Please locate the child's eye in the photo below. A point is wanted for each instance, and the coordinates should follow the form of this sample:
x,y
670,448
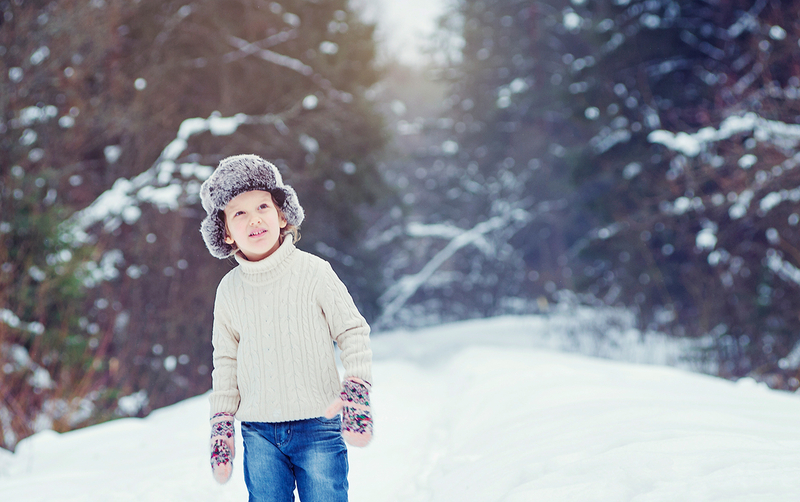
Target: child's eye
x,y
237,213
263,206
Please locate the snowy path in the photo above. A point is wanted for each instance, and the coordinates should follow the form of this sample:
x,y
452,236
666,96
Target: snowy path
x,y
529,425
471,421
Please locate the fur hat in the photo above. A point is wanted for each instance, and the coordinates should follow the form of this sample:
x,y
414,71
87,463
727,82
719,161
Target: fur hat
x,y
236,175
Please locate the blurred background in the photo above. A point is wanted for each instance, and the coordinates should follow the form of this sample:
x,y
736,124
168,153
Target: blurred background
x,y
456,159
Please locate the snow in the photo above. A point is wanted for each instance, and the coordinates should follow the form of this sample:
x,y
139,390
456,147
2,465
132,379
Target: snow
x,y
784,269
474,411
157,185
398,294
774,131
706,239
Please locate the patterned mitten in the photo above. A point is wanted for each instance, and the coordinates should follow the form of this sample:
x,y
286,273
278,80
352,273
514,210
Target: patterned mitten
x,y
353,402
222,437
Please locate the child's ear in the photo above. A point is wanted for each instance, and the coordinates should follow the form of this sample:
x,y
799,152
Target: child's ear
x,y
228,239
283,222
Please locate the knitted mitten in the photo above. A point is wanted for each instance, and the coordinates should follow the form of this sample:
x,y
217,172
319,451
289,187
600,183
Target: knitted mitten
x,y
222,437
353,402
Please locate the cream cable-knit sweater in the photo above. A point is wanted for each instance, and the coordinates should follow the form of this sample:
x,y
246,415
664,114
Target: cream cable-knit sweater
x,y
275,322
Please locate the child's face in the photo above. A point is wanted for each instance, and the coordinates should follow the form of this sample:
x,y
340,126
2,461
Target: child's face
x,y
254,224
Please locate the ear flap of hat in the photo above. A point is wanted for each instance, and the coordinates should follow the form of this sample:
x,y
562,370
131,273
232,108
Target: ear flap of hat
x,y
286,198
279,196
213,230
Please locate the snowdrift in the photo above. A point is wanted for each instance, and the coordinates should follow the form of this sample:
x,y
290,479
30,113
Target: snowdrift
x,y
474,411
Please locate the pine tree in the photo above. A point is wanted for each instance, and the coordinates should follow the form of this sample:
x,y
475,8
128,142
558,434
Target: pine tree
x,y
102,103
507,161
49,347
297,74
592,103
671,240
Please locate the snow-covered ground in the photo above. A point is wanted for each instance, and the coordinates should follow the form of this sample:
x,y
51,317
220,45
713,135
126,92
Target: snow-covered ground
x,y
477,411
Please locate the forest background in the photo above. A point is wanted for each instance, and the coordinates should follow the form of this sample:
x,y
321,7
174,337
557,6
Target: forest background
x,y
633,155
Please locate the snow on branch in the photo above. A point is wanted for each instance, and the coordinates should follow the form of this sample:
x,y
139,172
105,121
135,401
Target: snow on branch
x,y
748,21
780,134
398,294
691,145
247,48
10,319
748,79
782,268
172,22
446,231
159,185
373,243
39,378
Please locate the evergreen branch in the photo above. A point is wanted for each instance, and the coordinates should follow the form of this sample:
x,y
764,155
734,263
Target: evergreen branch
x,y
246,48
692,144
155,185
398,294
10,319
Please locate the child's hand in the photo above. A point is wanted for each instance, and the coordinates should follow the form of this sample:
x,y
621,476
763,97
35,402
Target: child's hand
x,y
353,402
222,434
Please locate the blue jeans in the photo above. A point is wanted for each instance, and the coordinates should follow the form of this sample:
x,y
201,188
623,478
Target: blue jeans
x,y
308,452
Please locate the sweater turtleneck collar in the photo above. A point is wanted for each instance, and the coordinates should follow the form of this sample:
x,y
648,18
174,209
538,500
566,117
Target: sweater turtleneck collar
x,y
270,267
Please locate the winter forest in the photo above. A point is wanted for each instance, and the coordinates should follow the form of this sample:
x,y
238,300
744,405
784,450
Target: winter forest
x,y
636,157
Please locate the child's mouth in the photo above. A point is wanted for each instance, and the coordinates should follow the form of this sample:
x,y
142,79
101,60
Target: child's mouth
x,y
258,233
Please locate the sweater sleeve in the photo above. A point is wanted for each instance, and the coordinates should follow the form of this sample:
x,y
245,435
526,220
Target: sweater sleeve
x,y
347,326
225,339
